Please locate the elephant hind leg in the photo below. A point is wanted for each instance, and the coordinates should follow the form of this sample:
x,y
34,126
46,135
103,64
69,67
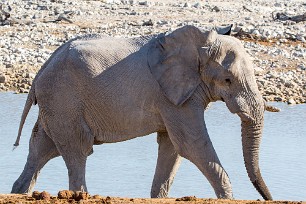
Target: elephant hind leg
x,y
168,162
41,150
74,141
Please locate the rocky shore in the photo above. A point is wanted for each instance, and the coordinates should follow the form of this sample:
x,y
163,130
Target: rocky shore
x,y
273,32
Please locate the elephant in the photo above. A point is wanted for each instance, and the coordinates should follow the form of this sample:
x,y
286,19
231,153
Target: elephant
x,y
100,89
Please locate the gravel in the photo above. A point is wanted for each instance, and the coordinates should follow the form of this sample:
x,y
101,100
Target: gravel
x,y
277,46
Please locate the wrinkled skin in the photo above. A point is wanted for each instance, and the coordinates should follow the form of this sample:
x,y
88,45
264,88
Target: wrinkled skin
x,y
104,90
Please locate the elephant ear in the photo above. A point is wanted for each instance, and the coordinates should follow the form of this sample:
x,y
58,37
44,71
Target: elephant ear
x,y
172,67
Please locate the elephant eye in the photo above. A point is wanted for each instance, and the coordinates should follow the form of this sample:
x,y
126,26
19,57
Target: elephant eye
x,y
228,81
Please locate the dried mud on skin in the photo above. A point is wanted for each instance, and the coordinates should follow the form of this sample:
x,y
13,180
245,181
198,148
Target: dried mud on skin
x,y
82,197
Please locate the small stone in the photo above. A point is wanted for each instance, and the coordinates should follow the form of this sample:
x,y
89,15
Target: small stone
x,y
302,67
216,9
24,85
30,75
65,194
3,79
80,195
96,197
148,23
291,101
197,5
187,5
44,195
144,3
256,32
8,65
300,38
277,98
278,5
290,84
36,195
187,198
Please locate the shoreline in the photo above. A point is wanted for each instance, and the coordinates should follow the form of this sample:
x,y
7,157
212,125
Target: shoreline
x,y
277,47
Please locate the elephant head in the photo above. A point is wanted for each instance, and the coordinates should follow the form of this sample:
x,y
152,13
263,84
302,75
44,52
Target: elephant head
x,y
188,58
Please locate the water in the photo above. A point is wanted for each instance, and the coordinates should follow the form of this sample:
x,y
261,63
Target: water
x,y
126,169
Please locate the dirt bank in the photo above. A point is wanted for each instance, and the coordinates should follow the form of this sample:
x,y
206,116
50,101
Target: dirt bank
x,y
14,198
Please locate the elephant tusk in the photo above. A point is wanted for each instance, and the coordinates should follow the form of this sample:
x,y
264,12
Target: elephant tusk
x,y
272,108
245,117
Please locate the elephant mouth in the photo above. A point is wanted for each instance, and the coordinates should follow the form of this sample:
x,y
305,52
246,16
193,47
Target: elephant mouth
x,y
245,117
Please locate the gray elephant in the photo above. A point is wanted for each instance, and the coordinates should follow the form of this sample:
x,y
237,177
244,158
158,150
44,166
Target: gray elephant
x,y
96,90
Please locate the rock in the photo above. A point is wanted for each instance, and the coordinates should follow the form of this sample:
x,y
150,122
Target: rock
x,y
291,101
45,195
300,38
197,5
256,32
80,195
290,84
36,195
216,9
148,23
144,3
96,197
302,66
187,198
3,78
278,5
30,75
187,5
65,194
277,98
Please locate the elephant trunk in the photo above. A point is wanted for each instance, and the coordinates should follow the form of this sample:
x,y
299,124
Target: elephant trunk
x,y
251,128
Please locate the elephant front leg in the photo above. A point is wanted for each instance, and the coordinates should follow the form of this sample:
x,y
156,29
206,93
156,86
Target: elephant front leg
x,y
41,150
168,162
188,134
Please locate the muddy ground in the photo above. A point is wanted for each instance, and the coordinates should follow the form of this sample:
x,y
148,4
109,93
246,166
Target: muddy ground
x,y
46,198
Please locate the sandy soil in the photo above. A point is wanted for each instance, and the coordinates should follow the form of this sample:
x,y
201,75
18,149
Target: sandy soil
x,y
46,198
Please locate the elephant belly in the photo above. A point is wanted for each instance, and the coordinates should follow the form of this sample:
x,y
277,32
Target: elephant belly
x,y
118,124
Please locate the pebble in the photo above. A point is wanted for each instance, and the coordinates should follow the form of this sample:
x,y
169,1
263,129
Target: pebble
x,y
3,79
187,5
216,9
291,101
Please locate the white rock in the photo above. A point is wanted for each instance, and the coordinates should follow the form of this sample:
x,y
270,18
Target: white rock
x,y
278,5
197,5
256,32
300,38
291,101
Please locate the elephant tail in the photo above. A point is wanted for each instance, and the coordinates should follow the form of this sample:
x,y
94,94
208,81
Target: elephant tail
x,y
30,100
